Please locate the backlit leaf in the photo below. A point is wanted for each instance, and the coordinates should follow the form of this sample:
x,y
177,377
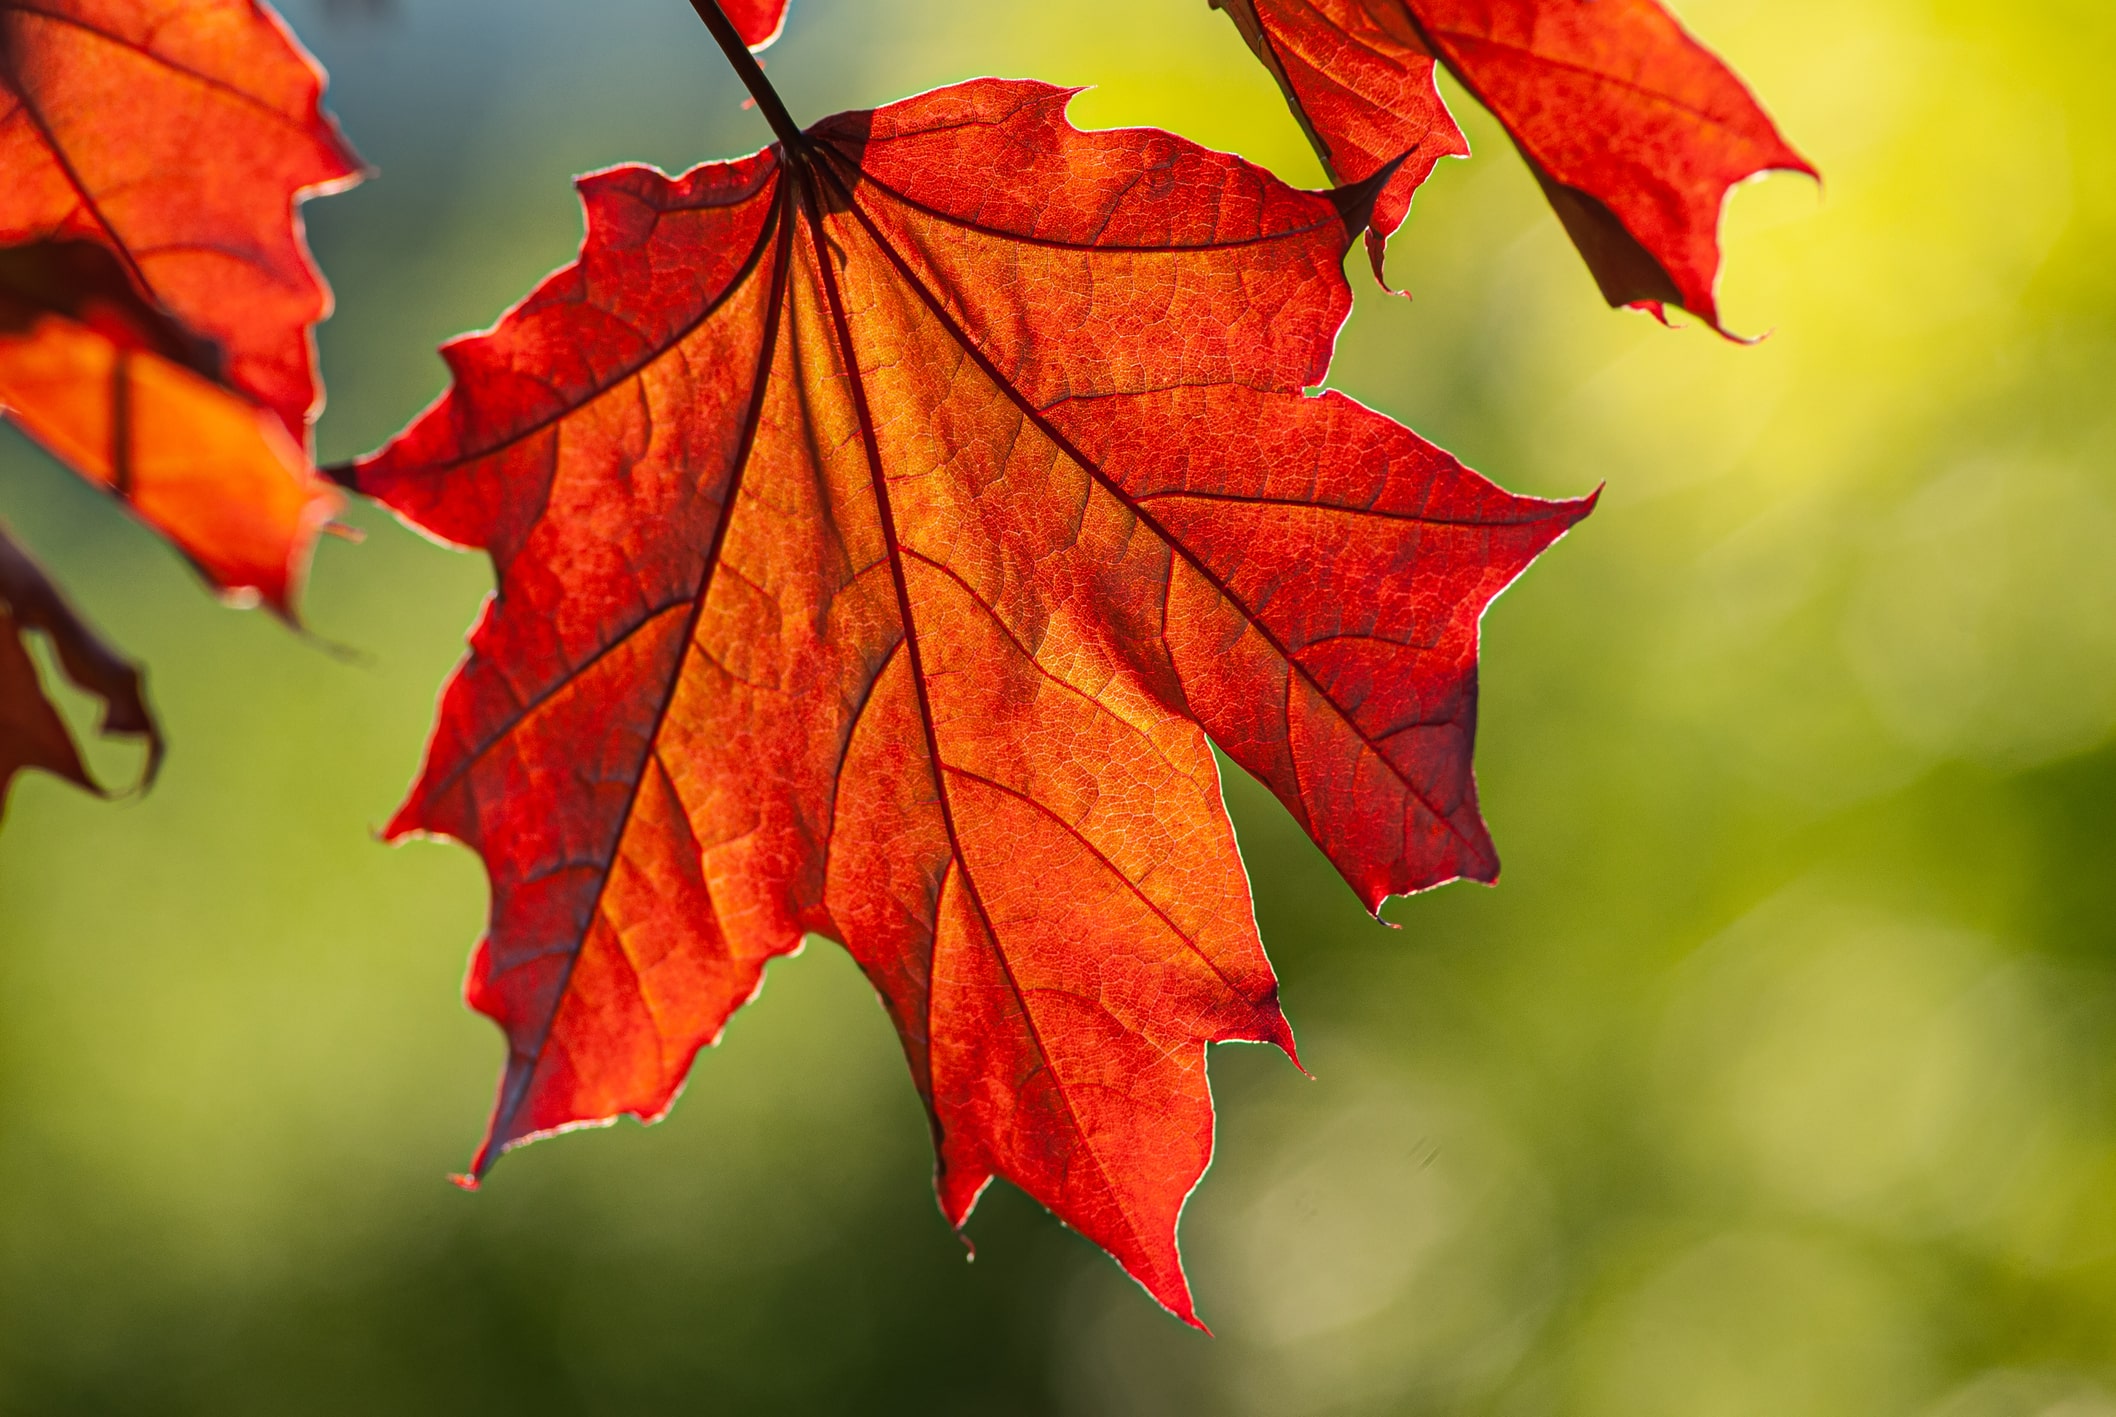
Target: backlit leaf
x,y
181,135
884,530
1634,129
121,394
32,733
757,21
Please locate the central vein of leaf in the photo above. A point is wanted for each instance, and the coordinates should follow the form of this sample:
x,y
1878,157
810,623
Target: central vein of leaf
x,y
519,1081
842,327
1102,478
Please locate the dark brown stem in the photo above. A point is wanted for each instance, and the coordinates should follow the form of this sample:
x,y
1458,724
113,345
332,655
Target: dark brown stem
x,y
752,74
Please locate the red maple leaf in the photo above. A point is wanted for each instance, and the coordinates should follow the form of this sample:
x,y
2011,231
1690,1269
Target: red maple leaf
x,y
32,733
127,398
175,139
757,21
884,526
179,134
1634,129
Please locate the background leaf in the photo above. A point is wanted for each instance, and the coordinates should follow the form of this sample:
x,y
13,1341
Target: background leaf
x,y
181,135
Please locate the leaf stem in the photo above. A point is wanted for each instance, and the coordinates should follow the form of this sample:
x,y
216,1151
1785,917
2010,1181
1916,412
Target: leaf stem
x,y
752,74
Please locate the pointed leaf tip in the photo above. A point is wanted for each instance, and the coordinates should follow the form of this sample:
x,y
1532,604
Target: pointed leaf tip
x,y
1636,130
875,563
190,130
33,734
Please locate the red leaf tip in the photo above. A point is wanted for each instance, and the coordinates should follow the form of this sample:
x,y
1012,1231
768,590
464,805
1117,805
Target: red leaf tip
x,y
933,541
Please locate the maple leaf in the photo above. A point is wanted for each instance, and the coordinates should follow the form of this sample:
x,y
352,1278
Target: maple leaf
x,y
1635,131
758,22
32,733
179,134
127,398
883,524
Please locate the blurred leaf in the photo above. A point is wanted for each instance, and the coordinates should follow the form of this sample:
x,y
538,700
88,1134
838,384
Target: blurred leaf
x,y
123,396
180,136
1635,131
32,733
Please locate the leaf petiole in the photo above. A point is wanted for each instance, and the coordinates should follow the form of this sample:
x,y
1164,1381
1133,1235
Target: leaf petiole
x,y
752,74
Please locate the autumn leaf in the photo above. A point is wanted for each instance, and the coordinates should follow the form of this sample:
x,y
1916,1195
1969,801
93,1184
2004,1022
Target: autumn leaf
x,y
32,732
1635,131
181,135
885,524
757,21
127,398
1361,83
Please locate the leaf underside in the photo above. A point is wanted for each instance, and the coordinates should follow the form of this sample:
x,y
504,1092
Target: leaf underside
x,y
883,532
1635,131
757,21
180,135
175,140
32,732
131,401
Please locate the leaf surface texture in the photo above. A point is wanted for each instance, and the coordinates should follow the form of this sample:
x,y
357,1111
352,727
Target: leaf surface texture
x,y
1634,129
122,394
180,135
884,531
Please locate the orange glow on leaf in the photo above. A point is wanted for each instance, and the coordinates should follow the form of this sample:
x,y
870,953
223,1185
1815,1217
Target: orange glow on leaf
x,y
1635,131
180,135
111,387
884,532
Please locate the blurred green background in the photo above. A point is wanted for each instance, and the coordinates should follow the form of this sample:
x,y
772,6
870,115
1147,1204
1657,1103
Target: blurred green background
x,y
1778,1077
